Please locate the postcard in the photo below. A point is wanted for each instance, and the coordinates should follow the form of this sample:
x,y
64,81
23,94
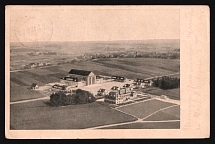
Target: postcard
x,y
107,72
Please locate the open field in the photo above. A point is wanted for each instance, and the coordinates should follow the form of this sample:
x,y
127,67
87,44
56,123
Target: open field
x,y
39,115
130,67
147,125
145,108
171,93
143,67
172,113
18,93
150,114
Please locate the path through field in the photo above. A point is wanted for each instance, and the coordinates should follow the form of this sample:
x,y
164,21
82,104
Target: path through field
x,y
24,101
43,92
139,120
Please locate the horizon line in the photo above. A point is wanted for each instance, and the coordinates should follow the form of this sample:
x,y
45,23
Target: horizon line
x,y
97,40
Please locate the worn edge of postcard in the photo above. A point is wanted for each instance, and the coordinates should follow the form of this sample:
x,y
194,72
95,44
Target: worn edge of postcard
x,y
194,87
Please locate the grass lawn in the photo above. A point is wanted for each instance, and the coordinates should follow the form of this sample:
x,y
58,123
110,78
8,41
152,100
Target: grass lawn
x,y
172,113
22,79
41,71
41,78
13,84
171,93
39,115
143,109
147,125
18,93
175,75
56,69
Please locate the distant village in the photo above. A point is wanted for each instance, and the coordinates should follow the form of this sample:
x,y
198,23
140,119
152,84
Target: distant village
x,y
39,64
90,56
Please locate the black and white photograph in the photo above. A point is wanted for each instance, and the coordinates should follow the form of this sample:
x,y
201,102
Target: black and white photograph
x,y
94,68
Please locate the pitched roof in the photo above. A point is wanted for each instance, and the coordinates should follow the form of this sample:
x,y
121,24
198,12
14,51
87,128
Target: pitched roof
x,y
33,85
79,72
101,90
118,77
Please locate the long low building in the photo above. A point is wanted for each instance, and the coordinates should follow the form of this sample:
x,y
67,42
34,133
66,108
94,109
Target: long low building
x,y
119,78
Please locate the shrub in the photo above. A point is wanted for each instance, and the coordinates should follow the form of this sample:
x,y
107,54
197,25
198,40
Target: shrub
x,y
84,96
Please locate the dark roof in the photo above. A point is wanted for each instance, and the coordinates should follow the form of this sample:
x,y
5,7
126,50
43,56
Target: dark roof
x,y
142,80
98,77
33,85
74,78
101,90
79,72
113,93
118,77
126,85
114,87
146,81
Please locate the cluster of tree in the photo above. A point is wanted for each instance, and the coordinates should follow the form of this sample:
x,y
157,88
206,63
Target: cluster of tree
x,y
127,54
49,53
167,82
159,55
41,53
77,97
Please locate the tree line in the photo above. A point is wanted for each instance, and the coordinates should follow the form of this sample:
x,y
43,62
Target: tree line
x,y
166,82
173,55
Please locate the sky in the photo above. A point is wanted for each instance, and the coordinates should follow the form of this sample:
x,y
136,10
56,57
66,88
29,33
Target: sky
x,y
94,24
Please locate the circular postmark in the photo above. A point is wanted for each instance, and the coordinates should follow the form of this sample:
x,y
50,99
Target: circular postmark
x,y
33,31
